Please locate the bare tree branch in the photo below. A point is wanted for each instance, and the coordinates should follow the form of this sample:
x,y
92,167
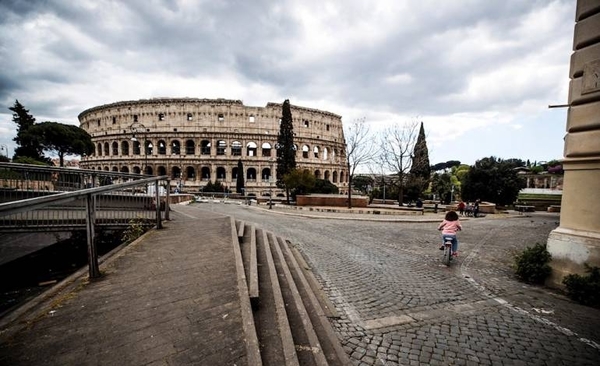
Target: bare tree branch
x,y
397,144
360,149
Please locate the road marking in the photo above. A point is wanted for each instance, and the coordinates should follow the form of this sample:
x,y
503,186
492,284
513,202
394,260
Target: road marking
x,y
464,266
448,311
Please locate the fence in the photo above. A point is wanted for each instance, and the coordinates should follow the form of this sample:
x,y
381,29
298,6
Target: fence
x,y
34,198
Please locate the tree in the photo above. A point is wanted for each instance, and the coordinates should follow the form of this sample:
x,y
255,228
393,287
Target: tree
x,y
300,181
28,145
441,185
324,186
239,181
420,170
397,144
286,151
362,183
62,139
359,149
494,180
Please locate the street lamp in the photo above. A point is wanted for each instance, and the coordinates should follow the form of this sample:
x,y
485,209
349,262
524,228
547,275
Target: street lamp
x,y
270,193
135,128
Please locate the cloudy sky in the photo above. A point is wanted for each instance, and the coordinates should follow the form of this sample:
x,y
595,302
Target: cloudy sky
x,y
480,74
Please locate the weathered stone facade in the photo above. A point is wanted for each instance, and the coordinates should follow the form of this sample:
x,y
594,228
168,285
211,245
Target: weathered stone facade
x,y
201,140
576,242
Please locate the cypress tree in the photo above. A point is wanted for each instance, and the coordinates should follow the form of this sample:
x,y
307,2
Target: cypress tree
x,y
29,145
286,152
420,170
420,160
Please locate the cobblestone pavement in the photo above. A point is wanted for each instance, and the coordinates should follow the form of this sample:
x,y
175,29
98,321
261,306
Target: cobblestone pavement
x,y
399,305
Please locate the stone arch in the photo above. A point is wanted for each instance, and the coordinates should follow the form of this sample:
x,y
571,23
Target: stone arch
x,y
221,174
251,148
137,148
266,174
106,149
115,148
190,147
236,148
266,149
161,170
305,151
190,173
205,147
251,174
125,148
327,175
99,150
205,173
335,176
318,174
175,147
162,147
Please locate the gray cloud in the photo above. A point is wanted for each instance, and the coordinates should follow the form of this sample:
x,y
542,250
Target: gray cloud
x,y
427,58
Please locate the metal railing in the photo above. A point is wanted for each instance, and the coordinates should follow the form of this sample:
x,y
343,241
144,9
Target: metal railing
x,y
79,199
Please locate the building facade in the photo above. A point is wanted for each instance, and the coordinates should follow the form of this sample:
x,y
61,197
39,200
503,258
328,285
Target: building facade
x,y
576,242
196,141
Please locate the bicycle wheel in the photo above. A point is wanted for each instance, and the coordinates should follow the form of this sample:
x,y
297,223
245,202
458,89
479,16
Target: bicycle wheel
x,y
447,255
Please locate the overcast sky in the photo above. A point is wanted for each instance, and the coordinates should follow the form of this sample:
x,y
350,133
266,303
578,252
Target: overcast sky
x,y
479,74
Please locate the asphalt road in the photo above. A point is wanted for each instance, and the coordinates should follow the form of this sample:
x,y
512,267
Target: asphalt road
x,y
400,305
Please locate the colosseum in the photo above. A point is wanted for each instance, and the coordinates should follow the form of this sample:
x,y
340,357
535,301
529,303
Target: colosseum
x,y
196,141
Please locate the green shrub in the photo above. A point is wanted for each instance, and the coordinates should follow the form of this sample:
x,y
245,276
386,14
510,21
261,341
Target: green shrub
x,y
135,229
532,264
584,289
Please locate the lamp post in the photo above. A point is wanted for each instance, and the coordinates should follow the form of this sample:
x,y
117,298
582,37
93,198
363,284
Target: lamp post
x,y
137,128
270,193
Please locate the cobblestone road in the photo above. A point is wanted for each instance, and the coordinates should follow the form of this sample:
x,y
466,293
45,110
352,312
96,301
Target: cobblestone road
x,y
399,305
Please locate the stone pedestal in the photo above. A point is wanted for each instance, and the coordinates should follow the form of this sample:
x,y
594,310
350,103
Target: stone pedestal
x,y
577,240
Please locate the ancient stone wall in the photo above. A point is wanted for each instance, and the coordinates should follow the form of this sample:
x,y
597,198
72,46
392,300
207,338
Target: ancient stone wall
x,y
201,140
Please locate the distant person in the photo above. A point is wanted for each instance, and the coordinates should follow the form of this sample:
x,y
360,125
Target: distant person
x,y
476,207
449,227
419,203
461,208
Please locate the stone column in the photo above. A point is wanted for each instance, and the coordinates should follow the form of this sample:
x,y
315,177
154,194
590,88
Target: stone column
x,y
577,240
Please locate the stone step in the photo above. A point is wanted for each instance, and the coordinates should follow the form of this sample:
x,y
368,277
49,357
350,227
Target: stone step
x,y
330,345
291,314
305,339
248,246
270,316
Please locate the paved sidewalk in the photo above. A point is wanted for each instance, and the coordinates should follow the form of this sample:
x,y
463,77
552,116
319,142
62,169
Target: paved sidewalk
x,y
169,299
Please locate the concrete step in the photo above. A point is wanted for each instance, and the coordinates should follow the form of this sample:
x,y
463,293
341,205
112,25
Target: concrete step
x,y
270,316
291,313
240,226
306,342
329,343
248,247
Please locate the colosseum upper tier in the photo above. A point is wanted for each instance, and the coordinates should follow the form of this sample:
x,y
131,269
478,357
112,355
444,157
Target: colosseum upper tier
x,y
196,141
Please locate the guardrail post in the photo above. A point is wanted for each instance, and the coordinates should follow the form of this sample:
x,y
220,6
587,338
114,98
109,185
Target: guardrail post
x,y
157,195
90,219
168,200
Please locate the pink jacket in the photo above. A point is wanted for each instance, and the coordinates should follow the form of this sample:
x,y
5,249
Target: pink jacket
x,y
450,227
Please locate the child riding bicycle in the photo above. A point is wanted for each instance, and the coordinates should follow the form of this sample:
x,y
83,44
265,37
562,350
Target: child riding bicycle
x,y
449,227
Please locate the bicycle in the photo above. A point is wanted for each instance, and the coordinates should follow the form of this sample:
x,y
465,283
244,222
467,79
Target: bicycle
x,y
447,258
